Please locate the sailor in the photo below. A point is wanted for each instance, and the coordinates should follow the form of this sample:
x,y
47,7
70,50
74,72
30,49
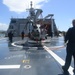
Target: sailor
x,y
22,35
70,49
10,35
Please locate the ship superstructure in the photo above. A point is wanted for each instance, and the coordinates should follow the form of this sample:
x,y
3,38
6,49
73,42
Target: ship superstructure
x,y
17,25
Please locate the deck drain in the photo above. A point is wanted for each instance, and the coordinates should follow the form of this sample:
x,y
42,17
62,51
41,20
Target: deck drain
x,y
27,66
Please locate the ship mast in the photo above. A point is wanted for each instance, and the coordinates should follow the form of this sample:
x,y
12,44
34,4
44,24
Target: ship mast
x,y
31,4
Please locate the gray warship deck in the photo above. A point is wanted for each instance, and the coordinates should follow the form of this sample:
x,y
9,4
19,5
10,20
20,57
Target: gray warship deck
x,y
32,60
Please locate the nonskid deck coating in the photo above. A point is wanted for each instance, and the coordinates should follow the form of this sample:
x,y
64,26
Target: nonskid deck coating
x,y
31,61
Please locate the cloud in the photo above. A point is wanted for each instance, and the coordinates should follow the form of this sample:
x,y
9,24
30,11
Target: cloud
x,y
21,5
3,26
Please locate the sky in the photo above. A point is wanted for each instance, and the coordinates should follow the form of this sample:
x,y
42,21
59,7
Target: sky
x,y
63,10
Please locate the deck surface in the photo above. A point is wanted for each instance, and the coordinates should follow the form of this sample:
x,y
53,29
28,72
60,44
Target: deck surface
x,y
23,57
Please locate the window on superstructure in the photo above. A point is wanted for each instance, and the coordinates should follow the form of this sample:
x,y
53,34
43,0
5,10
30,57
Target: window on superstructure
x,y
13,21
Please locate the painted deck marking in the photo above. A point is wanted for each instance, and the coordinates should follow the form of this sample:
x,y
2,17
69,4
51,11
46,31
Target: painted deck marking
x,y
26,61
58,59
9,66
16,45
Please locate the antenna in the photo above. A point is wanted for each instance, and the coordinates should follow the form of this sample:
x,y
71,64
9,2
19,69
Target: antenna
x,y
31,4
